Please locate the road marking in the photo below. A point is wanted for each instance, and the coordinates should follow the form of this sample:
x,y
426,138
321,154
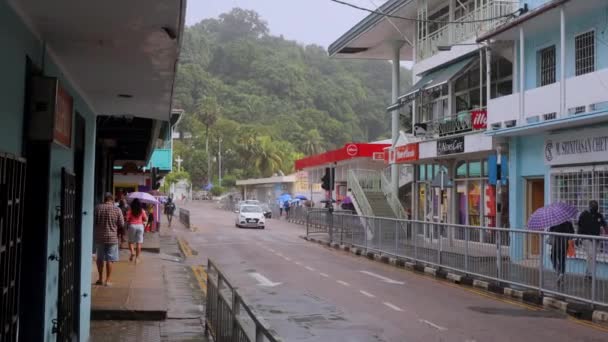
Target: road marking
x,y
263,281
279,254
440,328
342,282
298,263
384,279
324,275
201,277
272,250
288,259
392,306
367,294
309,268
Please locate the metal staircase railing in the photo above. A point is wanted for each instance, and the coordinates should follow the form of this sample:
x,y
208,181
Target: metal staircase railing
x,y
358,190
392,198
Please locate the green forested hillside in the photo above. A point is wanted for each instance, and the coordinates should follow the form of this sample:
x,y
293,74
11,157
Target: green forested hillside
x,y
269,99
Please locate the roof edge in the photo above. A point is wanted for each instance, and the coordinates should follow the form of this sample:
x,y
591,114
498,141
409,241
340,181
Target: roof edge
x,y
522,19
362,26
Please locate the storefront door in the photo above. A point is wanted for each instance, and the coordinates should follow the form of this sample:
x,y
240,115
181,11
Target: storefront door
x,y
535,195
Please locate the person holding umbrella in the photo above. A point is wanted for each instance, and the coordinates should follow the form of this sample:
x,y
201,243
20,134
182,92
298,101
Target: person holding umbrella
x,y
558,218
136,217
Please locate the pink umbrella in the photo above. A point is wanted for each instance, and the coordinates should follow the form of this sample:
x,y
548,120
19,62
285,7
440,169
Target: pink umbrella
x,y
142,197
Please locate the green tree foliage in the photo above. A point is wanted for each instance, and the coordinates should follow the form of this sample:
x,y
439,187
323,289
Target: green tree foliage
x,y
271,100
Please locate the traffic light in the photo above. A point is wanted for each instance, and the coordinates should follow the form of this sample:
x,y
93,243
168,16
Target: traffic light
x,y
155,178
327,181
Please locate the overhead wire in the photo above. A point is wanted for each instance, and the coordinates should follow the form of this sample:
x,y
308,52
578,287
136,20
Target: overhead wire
x,y
361,8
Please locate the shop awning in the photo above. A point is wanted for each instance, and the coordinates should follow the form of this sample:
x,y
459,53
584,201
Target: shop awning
x,y
433,79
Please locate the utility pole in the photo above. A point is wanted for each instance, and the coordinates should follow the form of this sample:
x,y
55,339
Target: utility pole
x,y
219,161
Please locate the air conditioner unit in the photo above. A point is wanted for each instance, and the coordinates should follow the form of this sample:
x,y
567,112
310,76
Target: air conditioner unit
x,y
510,123
496,125
51,112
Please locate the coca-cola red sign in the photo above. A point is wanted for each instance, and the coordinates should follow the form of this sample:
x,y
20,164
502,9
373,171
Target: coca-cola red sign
x,y
480,119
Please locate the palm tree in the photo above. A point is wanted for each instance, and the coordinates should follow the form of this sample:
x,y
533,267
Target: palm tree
x,y
208,111
313,142
268,158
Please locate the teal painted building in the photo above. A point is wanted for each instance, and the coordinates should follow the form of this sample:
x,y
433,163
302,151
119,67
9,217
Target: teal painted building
x,y
58,143
556,119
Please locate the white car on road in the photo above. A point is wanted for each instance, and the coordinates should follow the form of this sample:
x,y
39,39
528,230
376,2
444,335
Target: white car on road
x,y
250,216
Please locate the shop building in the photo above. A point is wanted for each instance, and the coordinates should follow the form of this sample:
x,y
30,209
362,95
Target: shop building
x,y
556,120
269,189
82,87
455,164
131,176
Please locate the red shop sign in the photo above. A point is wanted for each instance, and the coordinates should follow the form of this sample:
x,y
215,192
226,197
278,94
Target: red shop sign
x,y
62,130
479,119
352,150
406,153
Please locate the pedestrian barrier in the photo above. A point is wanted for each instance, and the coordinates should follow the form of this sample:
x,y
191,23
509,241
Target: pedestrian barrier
x,y
569,265
228,318
184,217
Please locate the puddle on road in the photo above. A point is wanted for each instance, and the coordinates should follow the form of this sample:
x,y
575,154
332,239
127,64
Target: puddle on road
x,y
516,312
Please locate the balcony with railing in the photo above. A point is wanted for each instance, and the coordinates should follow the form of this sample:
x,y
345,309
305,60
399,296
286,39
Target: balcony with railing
x,y
585,94
477,21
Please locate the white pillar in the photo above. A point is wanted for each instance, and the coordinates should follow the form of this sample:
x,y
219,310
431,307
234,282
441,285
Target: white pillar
x,y
562,62
522,77
395,114
488,75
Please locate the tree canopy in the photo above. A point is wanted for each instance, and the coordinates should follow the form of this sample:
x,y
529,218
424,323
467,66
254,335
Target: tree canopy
x,y
270,100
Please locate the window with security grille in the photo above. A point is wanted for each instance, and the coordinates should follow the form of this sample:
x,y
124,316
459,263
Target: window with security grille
x,y
546,65
578,186
584,46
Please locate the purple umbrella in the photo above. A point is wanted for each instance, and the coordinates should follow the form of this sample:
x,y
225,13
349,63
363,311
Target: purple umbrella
x,y
142,196
551,215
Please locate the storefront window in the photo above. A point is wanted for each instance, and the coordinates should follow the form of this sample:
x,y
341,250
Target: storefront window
x,y
461,170
579,187
422,172
474,201
475,169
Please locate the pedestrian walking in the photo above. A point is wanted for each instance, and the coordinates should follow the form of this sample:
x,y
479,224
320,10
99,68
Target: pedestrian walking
x,y
286,208
591,222
559,248
107,219
150,223
124,207
169,210
136,218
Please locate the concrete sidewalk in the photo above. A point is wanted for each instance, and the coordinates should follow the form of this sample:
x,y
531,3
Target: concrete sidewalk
x,y
134,313
137,293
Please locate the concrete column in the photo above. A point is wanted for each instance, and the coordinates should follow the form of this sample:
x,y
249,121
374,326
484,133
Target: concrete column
x,y
451,10
395,125
488,75
522,76
562,62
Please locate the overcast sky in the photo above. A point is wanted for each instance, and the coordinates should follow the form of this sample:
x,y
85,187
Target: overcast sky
x,y
306,21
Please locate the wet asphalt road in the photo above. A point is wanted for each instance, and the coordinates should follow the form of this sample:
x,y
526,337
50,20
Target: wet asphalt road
x,y
307,292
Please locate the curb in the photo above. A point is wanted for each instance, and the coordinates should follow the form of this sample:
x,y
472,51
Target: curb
x,y
578,310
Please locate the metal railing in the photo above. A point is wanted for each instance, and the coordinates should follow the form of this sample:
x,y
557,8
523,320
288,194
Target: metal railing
x,y
567,265
459,32
228,318
392,198
184,217
358,190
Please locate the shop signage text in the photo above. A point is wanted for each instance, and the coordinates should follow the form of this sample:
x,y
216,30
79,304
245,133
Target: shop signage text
x,y
450,146
406,153
578,147
62,131
464,122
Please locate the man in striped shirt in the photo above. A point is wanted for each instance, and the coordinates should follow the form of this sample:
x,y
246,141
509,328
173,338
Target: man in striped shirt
x,y
108,220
